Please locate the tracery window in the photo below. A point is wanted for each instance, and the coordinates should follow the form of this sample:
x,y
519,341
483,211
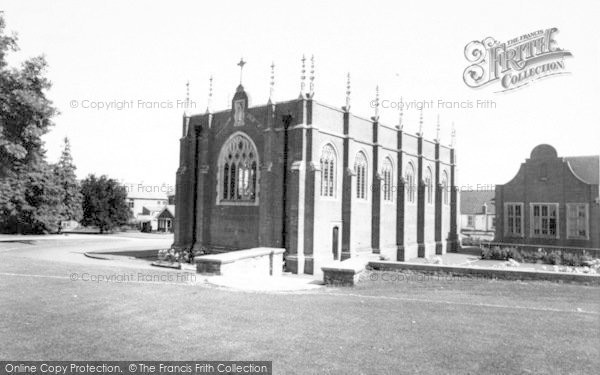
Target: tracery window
x,y
387,175
328,171
360,167
445,190
238,166
428,186
410,183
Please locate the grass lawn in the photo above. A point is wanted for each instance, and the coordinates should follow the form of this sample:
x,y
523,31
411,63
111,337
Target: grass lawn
x,y
379,327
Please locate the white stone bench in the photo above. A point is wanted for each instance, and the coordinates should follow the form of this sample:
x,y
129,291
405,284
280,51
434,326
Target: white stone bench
x,y
345,273
259,261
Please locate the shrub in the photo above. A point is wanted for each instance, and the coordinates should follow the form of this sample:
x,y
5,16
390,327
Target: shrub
x,y
574,259
496,253
554,258
532,255
515,254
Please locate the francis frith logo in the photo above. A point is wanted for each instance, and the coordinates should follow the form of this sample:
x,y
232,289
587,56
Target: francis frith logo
x,y
514,63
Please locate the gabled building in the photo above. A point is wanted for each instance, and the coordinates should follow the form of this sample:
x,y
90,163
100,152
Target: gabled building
x,y
138,199
551,201
314,179
166,218
477,214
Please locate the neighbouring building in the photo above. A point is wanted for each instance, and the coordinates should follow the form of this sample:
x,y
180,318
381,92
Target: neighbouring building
x,y
171,199
166,218
145,204
147,220
314,179
551,201
138,199
477,215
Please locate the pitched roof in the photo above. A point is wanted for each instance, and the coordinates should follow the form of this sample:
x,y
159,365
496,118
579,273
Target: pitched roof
x,y
156,209
471,202
134,193
170,208
586,168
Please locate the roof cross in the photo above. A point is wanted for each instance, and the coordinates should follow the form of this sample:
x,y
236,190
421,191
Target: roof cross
x,y
241,65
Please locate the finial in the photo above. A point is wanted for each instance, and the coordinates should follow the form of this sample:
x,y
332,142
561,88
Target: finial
x,y
210,94
187,97
272,84
241,65
400,123
421,122
376,103
303,77
453,136
437,129
348,92
312,76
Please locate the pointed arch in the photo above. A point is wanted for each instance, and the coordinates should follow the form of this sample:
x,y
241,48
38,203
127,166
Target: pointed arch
x,y
360,168
238,170
387,172
328,162
428,180
445,191
410,181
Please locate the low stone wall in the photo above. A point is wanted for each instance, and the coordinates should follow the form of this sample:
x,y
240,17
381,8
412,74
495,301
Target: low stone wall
x,y
260,261
485,273
345,273
532,248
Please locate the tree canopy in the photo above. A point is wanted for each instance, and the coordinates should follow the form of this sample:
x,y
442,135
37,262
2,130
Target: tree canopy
x,y
104,203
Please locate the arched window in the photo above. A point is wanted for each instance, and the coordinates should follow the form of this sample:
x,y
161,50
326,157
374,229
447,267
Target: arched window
x,y
328,171
386,172
428,186
410,183
445,191
360,167
238,166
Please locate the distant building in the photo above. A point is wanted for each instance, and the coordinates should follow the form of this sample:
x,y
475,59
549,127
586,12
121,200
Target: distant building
x,y
137,200
148,219
166,218
145,206
551,201
478,214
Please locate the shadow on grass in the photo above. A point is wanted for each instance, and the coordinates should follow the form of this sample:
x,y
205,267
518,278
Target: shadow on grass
x,y
150,255
25,242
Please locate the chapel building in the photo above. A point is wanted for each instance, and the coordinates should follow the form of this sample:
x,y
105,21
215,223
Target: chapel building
x,y
314,179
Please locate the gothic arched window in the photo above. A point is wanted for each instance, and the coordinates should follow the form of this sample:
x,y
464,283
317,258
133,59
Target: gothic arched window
x,y
410,183
328,171
445,191
360,167
238,168
428,186
387,175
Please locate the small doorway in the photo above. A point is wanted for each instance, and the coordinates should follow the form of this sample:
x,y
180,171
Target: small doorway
x,y
335,242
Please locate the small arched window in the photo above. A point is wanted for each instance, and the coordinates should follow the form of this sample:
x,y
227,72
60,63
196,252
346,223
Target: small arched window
x,y
428,186
238,168
360,167
410,183
328,171
445,191
387,175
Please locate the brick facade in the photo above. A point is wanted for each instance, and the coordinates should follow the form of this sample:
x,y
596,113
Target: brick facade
x,y
549,180
290,209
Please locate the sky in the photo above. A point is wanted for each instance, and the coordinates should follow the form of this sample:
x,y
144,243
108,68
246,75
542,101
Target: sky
x,y
142,52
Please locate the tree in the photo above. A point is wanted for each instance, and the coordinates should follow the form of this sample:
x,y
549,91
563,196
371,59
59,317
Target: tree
x,y
104,203
28,191
25,112
70,191
30,200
